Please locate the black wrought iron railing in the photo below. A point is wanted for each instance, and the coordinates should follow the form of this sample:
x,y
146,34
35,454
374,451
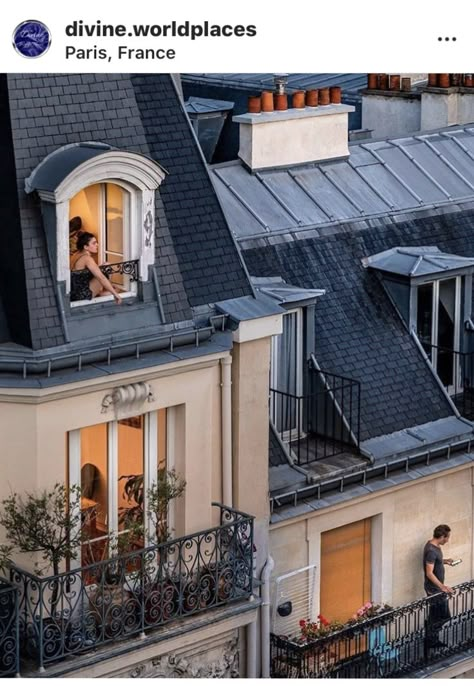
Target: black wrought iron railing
x,y
90,606
129,269
393,644
9,634
455,370
121,274
322,423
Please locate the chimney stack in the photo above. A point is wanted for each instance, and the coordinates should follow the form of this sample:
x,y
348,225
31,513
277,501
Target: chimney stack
x,y
313,129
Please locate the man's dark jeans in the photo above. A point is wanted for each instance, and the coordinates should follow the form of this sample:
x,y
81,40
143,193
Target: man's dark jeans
x,y
438,614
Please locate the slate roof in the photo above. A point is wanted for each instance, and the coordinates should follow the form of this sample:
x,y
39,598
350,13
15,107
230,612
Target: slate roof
x,y
357,331
196,258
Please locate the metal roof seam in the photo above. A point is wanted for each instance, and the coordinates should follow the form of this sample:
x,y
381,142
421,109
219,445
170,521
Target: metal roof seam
x,y
421,168
339,188
278,199
448,163
394,174
370,185
310,195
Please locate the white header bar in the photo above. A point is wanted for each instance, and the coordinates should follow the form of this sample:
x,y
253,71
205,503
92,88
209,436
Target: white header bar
x,y
243,36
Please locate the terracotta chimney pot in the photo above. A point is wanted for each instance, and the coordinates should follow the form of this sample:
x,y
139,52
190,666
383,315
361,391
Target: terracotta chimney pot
x,y
280,101
382,82
324,98
395,82
298,99
335,94
267,101
468,80
372,81
443,80
432,80
254,104
312,98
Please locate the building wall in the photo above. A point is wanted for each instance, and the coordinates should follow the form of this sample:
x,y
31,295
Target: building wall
x,y
402,521
34,427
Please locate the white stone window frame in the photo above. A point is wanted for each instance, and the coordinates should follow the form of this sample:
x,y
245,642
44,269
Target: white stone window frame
x,y
139,176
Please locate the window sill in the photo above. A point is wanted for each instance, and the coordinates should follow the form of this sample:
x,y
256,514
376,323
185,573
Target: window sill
x,y
101,299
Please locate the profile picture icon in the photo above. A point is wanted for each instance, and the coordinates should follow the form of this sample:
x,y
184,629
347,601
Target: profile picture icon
x,y
31,38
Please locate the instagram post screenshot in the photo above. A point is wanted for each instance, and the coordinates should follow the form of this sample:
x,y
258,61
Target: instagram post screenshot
x,y
236,341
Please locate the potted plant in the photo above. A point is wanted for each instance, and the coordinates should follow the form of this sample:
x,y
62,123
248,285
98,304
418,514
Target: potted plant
x,y
47,523
157,591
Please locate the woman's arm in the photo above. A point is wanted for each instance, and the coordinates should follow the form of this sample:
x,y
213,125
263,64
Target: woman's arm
x,y
104,282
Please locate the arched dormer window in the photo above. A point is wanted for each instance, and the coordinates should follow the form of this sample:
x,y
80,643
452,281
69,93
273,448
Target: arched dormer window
x,y
112,191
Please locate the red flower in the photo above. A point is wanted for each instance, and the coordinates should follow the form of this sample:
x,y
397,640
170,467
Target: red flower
x,y
302,623
323,620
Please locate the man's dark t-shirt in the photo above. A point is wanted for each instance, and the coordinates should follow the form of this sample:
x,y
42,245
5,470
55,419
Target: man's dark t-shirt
x,y
433,555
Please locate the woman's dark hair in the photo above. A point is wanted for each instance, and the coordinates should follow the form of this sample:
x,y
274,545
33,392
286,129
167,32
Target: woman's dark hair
x,y
83,239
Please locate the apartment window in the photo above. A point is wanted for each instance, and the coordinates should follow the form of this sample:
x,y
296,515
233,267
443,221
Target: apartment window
x,y
112,462
439,325
286,371
104,211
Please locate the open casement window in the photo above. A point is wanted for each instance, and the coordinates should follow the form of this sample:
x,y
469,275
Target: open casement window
x,y
105,211
439,325
111,462
286,373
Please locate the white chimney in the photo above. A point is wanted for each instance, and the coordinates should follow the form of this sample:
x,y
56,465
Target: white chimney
x,y
294,136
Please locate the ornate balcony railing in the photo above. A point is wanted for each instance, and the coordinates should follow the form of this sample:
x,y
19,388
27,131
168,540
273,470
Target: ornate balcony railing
x,y
129,269
392,644
9,637
322,423
118,598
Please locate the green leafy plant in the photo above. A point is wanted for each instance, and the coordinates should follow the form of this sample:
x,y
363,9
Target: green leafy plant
x,y
48,523
167,487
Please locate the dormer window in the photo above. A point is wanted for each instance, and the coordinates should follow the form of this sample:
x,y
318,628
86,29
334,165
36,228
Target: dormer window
x,y
432,292
439,325
109,193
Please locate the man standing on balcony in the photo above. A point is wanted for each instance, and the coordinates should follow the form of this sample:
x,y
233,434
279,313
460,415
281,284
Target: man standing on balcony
x,y
433,568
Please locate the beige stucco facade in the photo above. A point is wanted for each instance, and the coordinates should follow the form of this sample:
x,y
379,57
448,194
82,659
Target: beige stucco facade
x,y
402,519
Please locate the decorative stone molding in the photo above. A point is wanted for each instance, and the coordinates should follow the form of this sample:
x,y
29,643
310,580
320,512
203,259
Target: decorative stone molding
x,y
217,661
127,398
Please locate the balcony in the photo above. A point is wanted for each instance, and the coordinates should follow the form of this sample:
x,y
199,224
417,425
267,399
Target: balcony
x,y
392,644
128,595
9,637
323,423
